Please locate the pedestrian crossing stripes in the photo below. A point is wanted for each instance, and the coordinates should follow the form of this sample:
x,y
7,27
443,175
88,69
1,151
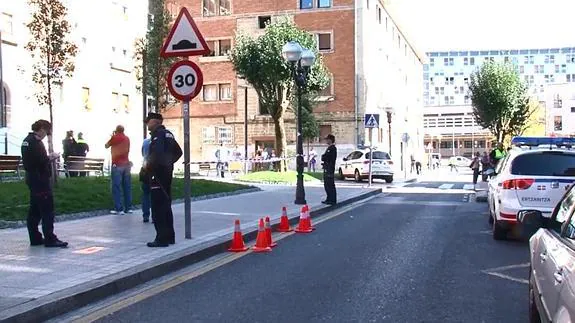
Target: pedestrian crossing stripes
x,y
444,185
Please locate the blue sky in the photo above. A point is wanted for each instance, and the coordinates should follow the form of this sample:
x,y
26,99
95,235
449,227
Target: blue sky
x,y
487,24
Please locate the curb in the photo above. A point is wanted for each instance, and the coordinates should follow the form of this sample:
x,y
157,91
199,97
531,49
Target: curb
x,y
90,214
72,298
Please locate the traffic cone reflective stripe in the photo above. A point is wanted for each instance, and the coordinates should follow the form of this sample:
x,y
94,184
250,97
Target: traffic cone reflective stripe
x,y
304,224
261,240
268,227
237,240
284,222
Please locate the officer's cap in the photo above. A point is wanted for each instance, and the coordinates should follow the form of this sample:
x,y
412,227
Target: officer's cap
x,y
153,116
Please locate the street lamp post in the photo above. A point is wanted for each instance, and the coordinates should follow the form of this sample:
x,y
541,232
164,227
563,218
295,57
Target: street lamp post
x,y
300,60
389,112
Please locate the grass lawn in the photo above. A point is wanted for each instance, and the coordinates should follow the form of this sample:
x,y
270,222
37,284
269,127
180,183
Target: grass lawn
x,y
93,193
277,177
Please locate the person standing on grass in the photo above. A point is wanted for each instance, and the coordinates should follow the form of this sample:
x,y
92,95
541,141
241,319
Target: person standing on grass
x,y
37,164
119,145
68,146
145,179
81,149
328,161
164,152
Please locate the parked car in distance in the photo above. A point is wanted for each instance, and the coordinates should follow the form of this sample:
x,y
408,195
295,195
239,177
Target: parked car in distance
x,y
356,165
552,255
460,161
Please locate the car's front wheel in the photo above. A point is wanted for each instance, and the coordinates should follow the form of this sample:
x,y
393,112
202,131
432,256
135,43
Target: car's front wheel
x,y
340,175
388,179
534,316
357,176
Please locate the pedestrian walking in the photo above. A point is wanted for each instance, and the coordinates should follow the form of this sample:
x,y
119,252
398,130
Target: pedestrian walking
x,y
223,157
312,160
164,152
37,164
412,164
119,145
475,164
418,167
485,165
145,180
328,162
68,147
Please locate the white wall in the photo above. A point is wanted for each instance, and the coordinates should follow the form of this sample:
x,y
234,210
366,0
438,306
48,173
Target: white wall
x,y
96,27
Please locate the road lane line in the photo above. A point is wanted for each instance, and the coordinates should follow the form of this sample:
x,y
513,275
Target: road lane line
x,y
470,187
524,265
518,280
446,186
143,294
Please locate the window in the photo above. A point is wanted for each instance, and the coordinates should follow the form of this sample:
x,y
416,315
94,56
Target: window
x,y
379,15
86,98
557,69
465,61
472,61
126,102
558,123
451,100
323,3
328,90
556,164
563,68
306,4
564,208
263,21
210,92
324,130
6,24
115,101
522,69
225,92
442,90
216,8
466,99
572,109
378,155
324,41
468,144
209,135
220,47
225,135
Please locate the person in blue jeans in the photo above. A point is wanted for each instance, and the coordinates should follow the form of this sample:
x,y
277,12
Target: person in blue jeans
x,y
146,197
121,171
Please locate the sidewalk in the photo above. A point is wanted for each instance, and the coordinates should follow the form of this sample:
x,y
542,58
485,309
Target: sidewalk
x,y
108,254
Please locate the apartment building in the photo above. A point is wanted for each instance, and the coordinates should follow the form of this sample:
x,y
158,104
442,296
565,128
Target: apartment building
x,y
448,111
372,64
102,92
560,109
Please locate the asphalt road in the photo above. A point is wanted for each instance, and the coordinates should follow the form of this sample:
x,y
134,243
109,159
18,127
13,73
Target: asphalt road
x,y
397,258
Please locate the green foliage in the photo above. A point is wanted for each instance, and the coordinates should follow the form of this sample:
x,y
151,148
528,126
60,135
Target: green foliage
x,y
156,68
52,52
259,61
266,177
310,126
500,100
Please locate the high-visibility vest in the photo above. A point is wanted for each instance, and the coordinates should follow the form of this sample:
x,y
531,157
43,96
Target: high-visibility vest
x,y
499,154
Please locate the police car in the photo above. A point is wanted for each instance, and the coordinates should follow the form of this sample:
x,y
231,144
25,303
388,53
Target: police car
x,y
534,175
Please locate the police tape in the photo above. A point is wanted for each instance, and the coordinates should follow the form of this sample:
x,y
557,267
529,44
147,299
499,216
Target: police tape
x,y
251,160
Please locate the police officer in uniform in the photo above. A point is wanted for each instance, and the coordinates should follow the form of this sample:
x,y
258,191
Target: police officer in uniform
x,y
328,160
164,152
38,168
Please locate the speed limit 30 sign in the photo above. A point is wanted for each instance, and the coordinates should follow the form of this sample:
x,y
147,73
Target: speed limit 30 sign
x,y
185,80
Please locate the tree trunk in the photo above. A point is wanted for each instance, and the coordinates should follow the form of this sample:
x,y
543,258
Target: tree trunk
x,y
308,157
53,164
281,142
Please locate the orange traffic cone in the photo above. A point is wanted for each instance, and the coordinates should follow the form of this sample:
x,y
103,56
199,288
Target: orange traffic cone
x,y
308,217
238,240
271,243
304,223
284,222
261,241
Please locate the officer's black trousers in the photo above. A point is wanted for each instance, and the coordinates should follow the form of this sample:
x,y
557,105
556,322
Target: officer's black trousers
x,y
41,209
329,185
161,194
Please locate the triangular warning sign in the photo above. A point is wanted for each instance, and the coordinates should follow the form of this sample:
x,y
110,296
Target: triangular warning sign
x,y
185,38
371,122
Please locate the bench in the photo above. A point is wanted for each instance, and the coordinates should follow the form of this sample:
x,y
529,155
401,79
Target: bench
x,y
207,167
10,165
85,165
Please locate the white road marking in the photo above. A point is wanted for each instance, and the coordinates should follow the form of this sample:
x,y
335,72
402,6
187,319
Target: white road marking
x,y
212,212
446,186
470,187
497,272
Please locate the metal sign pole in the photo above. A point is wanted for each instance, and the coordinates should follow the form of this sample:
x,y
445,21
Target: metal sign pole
x,y
370,154
187,180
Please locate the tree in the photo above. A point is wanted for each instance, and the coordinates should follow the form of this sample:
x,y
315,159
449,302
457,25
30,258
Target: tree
x,y
500,100
259,61
147,51
52,51
310,126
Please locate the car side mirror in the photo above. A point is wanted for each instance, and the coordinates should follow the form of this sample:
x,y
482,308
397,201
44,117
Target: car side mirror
x,y
344,158
531,221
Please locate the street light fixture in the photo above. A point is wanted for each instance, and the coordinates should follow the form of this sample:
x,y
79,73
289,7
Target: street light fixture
x,y
389,112
300,60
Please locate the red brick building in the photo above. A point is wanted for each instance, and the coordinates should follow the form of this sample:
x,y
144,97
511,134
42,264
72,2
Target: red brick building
x,y
218,111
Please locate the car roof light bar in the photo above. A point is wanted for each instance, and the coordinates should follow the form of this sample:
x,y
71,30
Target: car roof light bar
x,y
539,141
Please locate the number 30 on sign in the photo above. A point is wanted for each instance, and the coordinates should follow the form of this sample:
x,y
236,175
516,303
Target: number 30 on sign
x,y
185,80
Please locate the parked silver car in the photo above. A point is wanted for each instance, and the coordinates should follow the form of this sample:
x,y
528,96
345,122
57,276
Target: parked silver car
x,y
552,270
